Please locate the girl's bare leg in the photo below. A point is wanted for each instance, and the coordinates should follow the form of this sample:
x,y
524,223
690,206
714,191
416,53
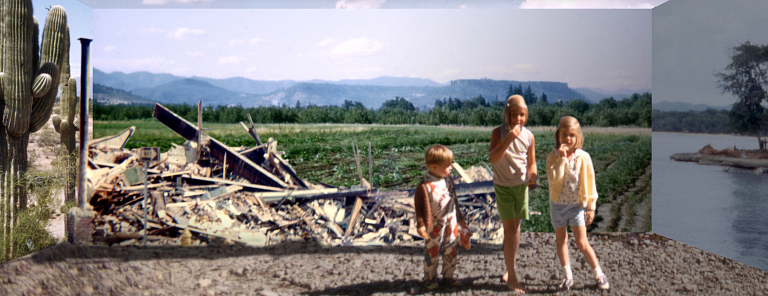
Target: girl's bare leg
x,y
580,234
511,243
562,245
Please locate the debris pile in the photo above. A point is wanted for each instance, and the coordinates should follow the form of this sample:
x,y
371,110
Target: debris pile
x,y
204,192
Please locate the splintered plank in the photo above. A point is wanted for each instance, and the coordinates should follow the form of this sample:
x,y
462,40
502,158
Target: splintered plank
x,y
228,182
256,155
240,165
462,173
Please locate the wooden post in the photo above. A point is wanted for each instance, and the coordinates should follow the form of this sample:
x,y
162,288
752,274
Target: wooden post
x,y
199,128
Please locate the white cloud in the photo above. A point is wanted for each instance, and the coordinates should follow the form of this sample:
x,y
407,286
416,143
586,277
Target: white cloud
x,y
109,48
357,47
359,4
182,33
162,2
325,42
591,4
230,60
463,6
237,42
257,40
194,53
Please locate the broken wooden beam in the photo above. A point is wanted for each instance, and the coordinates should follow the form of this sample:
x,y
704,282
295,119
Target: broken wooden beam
x,y
240,165
228,182
462,173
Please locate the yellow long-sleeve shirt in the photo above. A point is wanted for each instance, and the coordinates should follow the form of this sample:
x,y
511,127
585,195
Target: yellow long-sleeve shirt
x,y
556,168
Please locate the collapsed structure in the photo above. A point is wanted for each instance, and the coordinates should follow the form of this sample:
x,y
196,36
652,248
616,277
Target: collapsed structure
x,y
204,192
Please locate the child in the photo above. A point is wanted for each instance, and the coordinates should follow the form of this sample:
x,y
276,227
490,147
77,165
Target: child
x,y
572,197
514,172
437,211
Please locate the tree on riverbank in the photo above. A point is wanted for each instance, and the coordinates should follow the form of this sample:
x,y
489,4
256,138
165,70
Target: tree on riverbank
x,y
746,78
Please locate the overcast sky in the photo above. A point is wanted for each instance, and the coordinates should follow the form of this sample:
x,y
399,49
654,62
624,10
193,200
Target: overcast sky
x,y
439,40
692,41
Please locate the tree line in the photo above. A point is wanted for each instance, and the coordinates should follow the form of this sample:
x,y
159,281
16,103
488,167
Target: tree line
x,y
477,111
710,121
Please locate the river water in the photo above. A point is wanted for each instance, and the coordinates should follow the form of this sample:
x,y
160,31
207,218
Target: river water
x,y
703,206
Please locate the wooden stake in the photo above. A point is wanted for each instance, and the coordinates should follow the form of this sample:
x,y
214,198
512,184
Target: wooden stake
x,y
355,213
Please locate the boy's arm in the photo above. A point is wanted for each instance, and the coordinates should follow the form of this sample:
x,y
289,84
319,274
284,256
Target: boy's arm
x,y
422,210
459,214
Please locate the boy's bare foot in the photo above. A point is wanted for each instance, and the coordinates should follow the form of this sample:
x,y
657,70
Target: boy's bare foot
x,y
505,277
516,287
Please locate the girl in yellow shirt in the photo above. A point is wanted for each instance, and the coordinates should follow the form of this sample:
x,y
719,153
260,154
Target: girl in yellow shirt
x,y
572,197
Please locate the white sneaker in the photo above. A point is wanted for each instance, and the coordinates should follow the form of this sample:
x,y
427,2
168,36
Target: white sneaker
x,y
565,284
602,282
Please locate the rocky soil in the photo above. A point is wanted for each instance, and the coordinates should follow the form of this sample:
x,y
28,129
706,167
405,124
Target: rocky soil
x,y
634,263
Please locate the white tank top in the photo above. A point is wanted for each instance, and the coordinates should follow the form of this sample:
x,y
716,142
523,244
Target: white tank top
x,y
512,169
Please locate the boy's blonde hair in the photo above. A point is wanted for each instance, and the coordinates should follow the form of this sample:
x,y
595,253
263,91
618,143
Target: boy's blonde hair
x,y
438,154
566,122
513,103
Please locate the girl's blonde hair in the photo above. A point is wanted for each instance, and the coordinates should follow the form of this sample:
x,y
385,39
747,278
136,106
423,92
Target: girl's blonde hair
x,y
438,154
513,103
567,122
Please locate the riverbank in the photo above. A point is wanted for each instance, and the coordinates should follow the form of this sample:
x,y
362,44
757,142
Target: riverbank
x,y
634,263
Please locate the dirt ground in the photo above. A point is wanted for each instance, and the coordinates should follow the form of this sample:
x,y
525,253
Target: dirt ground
x,y
635,264
43,149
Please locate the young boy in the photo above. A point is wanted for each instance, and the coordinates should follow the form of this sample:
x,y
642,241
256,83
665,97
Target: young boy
x,y
438,216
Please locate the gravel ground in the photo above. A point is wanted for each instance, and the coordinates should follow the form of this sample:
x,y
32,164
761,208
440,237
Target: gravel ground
x,y
634,263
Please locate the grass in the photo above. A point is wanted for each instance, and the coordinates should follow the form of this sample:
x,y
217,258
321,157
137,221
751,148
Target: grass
x,y
323,153
30,234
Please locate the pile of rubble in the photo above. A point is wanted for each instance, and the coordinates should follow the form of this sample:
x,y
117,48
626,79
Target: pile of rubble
x,y
204,192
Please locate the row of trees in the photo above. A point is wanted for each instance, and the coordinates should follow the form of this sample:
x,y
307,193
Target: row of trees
x,y
635,110
710,121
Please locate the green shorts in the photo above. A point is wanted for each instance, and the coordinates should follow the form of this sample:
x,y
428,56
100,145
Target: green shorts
x,y
512,202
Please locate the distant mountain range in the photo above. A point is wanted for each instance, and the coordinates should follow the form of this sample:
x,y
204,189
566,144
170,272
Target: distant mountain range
x,y
596,94
682,106
118,87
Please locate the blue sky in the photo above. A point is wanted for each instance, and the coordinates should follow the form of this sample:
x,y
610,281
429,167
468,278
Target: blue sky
x,y
439,40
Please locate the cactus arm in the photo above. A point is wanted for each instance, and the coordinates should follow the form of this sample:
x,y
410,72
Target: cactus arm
x,y
71,100
56,123
52,52
65,129
42,106
41,85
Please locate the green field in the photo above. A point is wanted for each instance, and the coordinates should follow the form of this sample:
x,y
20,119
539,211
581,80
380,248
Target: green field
x,y
323,153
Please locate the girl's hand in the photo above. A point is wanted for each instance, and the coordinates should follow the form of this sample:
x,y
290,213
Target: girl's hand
x,y
532,181
563,150
589,215
515,131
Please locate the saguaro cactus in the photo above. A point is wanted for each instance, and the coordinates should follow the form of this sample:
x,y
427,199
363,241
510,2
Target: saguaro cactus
x,y
28,94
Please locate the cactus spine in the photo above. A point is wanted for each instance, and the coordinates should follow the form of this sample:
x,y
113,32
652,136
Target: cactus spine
x,y
28,94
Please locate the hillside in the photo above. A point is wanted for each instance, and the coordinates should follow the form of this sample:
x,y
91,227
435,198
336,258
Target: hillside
x,y
111,96
192,90
372,93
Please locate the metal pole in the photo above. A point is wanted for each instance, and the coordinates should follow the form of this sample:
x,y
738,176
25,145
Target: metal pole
x,y
84,66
